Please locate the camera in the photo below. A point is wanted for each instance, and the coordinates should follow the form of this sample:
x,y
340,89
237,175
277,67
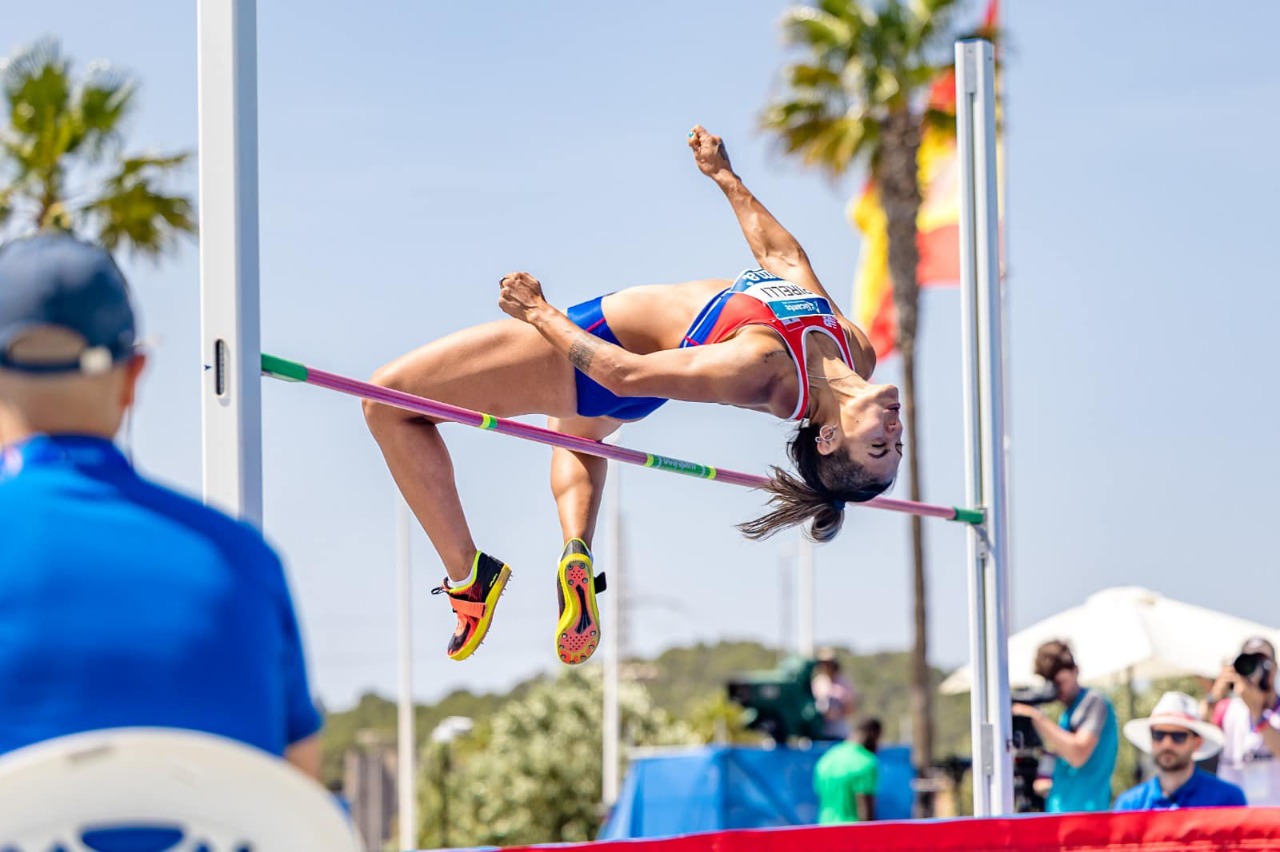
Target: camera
x,y
1028,748
1256,668
1024,733
779,703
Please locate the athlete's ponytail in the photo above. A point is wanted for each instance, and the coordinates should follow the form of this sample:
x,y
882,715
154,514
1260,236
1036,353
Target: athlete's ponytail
x,y
825,484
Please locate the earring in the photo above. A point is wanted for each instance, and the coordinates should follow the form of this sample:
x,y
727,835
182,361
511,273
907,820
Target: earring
x,y
826,433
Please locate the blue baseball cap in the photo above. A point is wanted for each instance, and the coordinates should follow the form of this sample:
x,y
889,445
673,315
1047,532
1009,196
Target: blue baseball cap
x,y
54,280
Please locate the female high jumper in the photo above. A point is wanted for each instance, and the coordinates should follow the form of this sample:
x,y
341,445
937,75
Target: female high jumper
x,y
772,340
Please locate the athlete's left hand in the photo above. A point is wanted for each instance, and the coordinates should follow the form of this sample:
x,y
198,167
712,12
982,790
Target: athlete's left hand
x,y
520,295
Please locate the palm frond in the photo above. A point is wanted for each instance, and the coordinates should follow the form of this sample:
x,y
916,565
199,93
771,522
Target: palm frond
x,y
133,212
31,62
804,76
132,166
101,104
814,28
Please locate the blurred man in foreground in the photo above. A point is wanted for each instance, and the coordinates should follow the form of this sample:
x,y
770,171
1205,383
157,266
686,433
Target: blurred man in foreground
x,y
122,603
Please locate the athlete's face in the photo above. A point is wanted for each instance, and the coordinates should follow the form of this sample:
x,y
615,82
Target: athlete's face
x,y
871,424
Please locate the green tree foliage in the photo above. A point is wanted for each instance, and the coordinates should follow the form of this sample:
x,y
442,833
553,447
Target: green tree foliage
x,y
377,714
62,160
535,776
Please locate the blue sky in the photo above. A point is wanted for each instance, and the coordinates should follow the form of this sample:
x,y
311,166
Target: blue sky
x,y
411,153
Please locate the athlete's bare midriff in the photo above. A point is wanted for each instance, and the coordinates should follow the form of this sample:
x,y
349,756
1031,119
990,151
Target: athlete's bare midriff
x,y
653,317
650,318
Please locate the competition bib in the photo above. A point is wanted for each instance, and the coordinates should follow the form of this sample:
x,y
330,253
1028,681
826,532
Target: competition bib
x,y
785,300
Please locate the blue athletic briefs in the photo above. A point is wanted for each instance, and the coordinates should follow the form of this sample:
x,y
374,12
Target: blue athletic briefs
x,y
594,399
123,603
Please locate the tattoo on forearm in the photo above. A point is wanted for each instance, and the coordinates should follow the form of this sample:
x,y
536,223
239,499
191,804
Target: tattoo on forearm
x,y
582,351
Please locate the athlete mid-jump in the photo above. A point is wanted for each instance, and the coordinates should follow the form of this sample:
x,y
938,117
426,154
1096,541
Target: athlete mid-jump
x,y
771,340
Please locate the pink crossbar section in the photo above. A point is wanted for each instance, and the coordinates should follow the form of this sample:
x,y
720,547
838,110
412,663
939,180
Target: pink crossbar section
x,y
444,411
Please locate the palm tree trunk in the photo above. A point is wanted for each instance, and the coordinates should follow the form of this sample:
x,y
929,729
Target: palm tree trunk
x,y
900,194
921,680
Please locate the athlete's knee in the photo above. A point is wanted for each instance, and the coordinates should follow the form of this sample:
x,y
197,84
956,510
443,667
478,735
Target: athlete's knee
x,y
375,413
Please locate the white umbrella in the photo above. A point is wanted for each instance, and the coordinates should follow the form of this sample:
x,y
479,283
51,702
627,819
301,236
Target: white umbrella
x,y
1129,633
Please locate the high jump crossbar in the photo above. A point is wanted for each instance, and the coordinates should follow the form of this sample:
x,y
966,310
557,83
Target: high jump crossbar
x,y
292,371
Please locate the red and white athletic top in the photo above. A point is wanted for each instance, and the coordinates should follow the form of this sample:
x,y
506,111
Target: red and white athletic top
x,y
758,297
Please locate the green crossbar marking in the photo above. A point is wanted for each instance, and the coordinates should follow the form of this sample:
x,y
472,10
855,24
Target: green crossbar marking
x,y
648,459
678,466
488,421
971,516
279,368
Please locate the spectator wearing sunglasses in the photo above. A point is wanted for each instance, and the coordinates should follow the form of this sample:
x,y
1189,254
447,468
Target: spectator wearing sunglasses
x,y
1176,737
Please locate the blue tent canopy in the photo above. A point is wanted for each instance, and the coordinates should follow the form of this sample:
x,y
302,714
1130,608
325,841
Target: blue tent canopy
x,y
723,787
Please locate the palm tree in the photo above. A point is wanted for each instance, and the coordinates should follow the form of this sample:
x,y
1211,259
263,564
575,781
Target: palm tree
x,y
62,163
859,95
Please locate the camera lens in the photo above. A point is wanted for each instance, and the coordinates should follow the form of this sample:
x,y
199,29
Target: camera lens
x,y
1246,664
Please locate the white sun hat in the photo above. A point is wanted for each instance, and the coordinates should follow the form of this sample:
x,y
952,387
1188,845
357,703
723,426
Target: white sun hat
x,y
1176,709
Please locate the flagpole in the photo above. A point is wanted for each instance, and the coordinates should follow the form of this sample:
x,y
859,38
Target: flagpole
x,y
406,740
610,729
804,596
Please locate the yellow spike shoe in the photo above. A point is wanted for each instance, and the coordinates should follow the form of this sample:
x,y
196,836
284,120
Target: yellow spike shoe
x,y
474,604
578,631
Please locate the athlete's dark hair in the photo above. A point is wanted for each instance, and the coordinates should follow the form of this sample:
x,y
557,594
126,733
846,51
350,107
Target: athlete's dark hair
x,y
825,484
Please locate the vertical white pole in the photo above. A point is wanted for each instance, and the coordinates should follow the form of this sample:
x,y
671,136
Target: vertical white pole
x,y
804,595
407,739
231,401
612,641
995,471
984,426
786,603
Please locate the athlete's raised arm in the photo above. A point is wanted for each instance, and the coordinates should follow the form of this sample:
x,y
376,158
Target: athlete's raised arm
x,y
774,247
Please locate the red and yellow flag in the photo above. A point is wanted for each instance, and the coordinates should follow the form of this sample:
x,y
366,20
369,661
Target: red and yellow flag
x,y
937,224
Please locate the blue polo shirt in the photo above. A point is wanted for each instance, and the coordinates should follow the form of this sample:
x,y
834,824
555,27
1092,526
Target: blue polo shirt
x,y
1201,790
123,603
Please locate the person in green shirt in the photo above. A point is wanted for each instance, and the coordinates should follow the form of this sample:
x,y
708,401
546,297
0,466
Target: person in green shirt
x,y
846,777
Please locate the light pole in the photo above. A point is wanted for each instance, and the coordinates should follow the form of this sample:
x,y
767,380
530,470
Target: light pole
x,y
449,729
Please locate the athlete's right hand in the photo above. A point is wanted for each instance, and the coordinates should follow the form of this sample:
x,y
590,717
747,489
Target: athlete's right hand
x,y
520,295
708,151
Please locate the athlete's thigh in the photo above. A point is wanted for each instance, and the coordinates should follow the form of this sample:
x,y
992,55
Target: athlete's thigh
x,y
504,368
595,428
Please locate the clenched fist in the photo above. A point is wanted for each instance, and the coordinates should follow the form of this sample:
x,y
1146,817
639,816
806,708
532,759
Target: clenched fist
x,y
520,295
708,152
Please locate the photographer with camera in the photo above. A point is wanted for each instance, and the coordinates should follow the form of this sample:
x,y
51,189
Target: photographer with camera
x,y
1251,722
1084,740
833,695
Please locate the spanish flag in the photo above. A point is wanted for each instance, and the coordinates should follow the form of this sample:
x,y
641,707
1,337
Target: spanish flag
x,y
937,224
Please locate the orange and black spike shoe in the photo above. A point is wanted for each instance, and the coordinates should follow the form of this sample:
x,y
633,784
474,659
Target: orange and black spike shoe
x,y
474,604
578,631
